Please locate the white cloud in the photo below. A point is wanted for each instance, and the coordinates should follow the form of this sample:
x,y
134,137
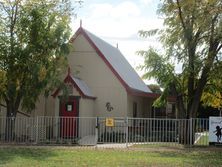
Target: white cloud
x,y
122,10
125,10
122,20
145,1
98,11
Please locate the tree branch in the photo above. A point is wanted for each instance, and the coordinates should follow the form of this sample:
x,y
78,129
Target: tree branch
x,y
4,8
16,12
13,19
180,15
219,48
212,28
197,35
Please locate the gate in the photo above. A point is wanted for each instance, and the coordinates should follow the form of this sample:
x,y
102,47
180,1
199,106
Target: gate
x,y
115,132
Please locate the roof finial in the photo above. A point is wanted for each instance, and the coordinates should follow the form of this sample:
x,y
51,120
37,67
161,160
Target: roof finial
x,y
69,71
117,46
80,22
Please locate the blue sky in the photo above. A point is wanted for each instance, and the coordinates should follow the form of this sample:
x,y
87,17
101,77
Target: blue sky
x,y
118,21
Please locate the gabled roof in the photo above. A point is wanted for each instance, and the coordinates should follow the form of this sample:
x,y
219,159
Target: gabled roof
x,y
117,63
80,86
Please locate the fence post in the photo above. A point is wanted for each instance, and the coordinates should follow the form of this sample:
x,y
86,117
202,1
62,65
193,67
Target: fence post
x,y
96,131
127,134
191,132
37,131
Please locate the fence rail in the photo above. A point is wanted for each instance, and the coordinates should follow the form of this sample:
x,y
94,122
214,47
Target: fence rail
x,y
93,131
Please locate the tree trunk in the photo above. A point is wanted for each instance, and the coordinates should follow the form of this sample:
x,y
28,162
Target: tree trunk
x,y
201,83
180,107
183,123
184,131
10,122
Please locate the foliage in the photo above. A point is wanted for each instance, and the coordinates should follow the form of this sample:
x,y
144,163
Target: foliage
x,y
192,36
213,100
155,88
33,43
212,96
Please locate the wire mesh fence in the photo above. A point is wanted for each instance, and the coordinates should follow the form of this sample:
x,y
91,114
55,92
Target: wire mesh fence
x,y
99,131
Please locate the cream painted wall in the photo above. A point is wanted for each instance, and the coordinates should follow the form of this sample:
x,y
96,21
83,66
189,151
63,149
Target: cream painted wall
x,y
100,79
148,102
144,106
86,107
40,107
88,123
140,106
45,106
50,106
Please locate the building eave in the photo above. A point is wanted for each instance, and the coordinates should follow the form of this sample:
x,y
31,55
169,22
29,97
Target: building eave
x,y
69,79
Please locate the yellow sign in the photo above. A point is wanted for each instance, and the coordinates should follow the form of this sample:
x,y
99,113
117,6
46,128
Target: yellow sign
x,y
110,122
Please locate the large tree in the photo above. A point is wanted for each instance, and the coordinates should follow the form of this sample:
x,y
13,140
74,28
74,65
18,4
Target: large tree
x,y
34,38
192,36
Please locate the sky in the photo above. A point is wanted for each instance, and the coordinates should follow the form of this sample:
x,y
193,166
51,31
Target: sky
x,y
118,22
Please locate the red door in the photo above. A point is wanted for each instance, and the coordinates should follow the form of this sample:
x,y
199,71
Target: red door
x,y
68,122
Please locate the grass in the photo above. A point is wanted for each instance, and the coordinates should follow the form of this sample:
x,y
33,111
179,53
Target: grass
x,y
83,157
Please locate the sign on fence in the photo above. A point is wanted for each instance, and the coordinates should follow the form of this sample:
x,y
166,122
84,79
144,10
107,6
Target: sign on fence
x,y
215,127
110,122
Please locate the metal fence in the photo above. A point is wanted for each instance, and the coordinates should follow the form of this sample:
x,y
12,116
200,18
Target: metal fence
x,y
100,131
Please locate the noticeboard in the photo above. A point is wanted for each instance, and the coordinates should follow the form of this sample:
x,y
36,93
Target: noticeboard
x,y
215,128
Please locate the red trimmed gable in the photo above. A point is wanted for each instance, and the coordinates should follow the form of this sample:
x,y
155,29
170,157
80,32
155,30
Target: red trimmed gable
x,y
81,31
70,79
99,52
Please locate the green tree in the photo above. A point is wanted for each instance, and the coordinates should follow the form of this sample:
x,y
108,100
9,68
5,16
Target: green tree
x,y
34,43
155,88
212,95
192,36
